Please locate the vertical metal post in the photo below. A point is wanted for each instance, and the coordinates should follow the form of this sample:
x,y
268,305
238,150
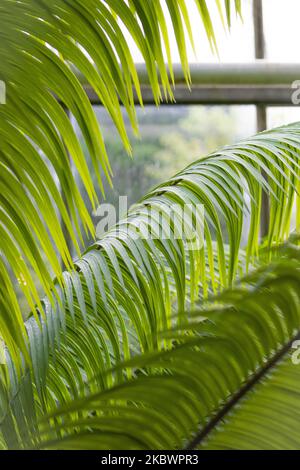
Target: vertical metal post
x,y
261,112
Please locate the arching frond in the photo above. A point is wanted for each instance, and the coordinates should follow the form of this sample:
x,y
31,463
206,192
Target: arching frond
x,y
127,287
228,365
149,339
43,45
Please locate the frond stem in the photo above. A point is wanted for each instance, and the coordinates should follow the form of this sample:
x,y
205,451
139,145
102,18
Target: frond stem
x,y
206,430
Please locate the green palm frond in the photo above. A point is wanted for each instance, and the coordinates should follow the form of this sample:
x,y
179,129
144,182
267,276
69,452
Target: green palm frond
x,y
234,380
43,46
149,339
228,381
126,288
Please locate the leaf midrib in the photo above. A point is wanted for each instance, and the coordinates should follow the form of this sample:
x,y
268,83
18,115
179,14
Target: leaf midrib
x,y
236,397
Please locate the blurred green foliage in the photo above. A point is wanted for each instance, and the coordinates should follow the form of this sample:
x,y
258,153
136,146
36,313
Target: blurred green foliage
x,y
170,138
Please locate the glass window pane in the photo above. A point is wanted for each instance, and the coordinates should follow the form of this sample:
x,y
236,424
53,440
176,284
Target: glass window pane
x,y
282,32
236,46
279,116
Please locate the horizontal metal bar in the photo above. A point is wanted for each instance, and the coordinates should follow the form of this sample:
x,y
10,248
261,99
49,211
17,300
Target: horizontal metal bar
x,y
214,95
259,82
258,72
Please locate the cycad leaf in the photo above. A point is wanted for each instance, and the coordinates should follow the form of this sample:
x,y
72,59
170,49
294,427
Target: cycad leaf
x,y
45,50
231,379
129,285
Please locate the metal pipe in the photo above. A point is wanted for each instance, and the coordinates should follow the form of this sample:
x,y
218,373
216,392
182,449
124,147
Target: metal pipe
x,y
258,72
261,111
259,82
